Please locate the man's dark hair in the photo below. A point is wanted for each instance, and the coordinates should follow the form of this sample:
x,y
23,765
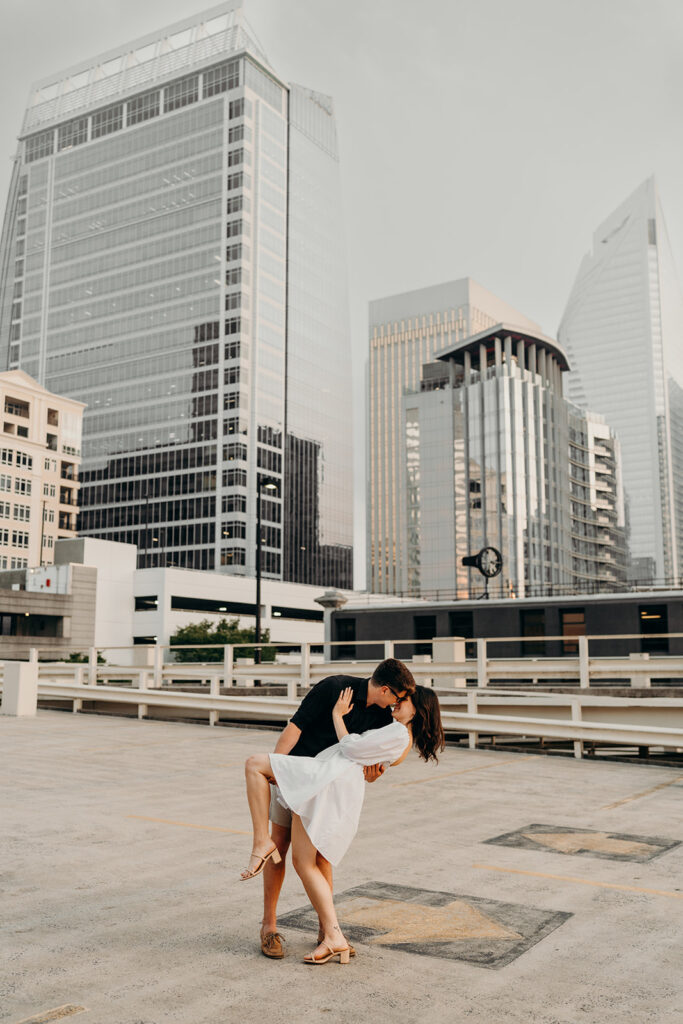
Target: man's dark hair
x,y
393,673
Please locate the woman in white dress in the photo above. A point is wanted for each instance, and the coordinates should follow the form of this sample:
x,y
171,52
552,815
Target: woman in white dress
x,y
325,794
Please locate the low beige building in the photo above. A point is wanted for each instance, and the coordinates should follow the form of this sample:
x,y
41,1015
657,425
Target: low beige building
x,y
40,454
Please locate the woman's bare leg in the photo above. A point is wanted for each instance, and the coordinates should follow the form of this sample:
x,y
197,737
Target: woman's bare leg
x,y
304,858
258,772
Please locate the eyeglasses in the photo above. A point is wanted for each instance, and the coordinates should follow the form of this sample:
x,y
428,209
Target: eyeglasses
x,y
399,700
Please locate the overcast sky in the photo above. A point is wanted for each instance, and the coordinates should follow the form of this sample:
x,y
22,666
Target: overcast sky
x,y
479,138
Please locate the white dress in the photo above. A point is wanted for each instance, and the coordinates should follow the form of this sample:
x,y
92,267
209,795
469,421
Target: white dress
x,y
327,791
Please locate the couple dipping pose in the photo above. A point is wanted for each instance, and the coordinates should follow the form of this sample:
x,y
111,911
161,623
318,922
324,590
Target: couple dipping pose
x,y
346,732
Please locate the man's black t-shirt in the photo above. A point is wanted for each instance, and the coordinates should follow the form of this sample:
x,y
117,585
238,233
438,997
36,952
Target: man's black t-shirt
x,y
314,714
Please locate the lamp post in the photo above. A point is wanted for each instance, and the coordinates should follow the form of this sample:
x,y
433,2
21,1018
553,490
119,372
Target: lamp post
x,y
270,485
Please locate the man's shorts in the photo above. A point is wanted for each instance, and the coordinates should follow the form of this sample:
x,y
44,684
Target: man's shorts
x,y
278,814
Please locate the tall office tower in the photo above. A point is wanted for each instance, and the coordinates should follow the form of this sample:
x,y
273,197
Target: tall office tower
x,y
496,457
406,331
623,332
40,452
172,256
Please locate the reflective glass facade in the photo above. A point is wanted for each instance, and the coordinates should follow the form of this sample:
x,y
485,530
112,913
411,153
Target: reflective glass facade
x,y
623,331
145,272
495,456
407,331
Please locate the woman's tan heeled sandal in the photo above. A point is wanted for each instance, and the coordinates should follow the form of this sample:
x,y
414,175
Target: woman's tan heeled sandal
x,y
343,955
274,855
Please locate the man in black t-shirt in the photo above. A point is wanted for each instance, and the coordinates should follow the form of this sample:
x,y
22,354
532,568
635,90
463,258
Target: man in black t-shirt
x,y
311,730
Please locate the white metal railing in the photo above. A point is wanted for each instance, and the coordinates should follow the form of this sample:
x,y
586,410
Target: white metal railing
x,y
477,709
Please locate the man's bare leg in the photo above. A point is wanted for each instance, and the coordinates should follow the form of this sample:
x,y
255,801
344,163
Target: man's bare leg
x,y
273,877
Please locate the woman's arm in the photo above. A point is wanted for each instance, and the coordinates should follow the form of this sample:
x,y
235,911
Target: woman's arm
x,y
385,744
341,708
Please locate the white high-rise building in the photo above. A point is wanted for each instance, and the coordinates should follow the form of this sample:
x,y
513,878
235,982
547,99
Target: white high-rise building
x,y
622,330
407,331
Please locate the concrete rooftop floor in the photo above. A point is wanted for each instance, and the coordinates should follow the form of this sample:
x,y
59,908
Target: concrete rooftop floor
x,y
122,842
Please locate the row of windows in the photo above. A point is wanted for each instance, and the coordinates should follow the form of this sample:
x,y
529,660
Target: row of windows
x,y
140,108
269,460
17,538
10,457
21,484
22,513
156,487
155,462
145,513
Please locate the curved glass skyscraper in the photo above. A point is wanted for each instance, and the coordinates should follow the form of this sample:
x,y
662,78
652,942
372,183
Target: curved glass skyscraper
x,y
172,255
623,331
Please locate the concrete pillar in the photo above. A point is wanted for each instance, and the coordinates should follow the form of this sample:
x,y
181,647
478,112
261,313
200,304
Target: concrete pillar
x,y
542,364
449,649
584,664
158,666
472,737
498,353
482,673
388,648
92,666
228,655
482,361
19,688
467,367
576,717
531,358
520,355
508,353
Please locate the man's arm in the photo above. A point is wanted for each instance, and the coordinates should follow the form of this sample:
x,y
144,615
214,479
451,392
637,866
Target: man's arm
x,y
288,739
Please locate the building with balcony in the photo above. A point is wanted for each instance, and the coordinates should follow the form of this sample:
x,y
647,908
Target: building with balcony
x,y
173,256
495,456
622,330
406,332
40,454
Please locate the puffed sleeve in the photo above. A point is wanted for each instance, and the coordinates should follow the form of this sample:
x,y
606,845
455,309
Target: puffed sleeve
x,y
375,745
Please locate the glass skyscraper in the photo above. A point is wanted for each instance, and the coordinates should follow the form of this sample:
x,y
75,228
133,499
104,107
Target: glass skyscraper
x,y
172,255
623,332
495,456
407,331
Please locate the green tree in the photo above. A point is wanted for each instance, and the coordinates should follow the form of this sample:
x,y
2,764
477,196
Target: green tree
x,y
227,631
76,657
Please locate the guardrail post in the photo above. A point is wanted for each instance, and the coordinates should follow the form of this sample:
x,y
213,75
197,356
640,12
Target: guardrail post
x,y
228,656
482,669
19,688
576,717
305,672
584,664
640,680
388,648
472,737
157,678
92,666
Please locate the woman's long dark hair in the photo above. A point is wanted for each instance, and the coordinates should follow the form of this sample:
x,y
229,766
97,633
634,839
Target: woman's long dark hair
x,y
427,729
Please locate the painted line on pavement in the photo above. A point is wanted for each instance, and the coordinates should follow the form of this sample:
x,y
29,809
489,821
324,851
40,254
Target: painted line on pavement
x,y
463,771
581,881
645,792
56,1014
189,824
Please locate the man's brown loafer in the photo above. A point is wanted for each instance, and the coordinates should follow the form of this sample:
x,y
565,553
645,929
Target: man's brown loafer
x,y
271,945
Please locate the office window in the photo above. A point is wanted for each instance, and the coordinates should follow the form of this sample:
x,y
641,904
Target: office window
x,y
104,122
38,146
179,94
72,134
142,108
